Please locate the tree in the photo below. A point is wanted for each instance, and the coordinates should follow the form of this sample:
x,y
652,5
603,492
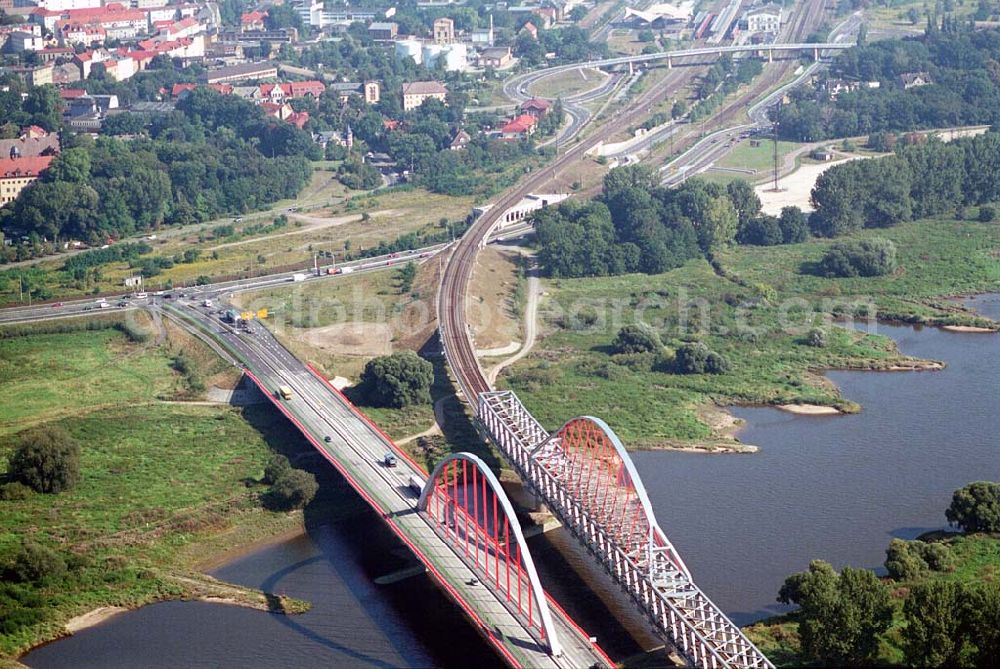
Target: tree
x,y
744,200
987,214
935,634
636,339
397,380
976,507
794,225
47,459
982,615
817,338
678,110
277,465
842,615
761,231
294,489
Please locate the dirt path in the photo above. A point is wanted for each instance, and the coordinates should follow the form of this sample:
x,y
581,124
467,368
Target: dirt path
x,y
530,326
434,429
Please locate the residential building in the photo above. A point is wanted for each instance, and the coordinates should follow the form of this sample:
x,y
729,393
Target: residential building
x,y
415,93
28,146
243,72
766,19
382,31
444,30
252,20
530,29
915,79
311,12
19,172
53,53
460,140
21,40
536,107
522,126
373,92
496,56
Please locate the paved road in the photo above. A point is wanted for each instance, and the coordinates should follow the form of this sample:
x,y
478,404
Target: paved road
x,y
356,448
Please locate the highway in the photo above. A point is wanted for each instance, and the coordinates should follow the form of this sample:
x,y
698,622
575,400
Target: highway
x,y
356,448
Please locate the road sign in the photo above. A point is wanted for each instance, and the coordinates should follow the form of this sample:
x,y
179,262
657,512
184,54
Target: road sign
x,y
262,314
246,315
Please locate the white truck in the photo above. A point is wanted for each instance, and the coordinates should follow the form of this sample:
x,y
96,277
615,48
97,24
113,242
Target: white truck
x,y
298,277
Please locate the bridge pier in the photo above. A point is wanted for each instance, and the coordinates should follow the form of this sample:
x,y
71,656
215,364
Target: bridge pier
x,y
770,55
816,54
670,63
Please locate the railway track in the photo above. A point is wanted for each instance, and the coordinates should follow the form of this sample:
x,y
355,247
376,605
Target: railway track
x,y
456,338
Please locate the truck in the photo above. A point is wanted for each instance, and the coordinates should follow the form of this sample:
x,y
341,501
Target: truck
x,y
298,277
416,483
285,392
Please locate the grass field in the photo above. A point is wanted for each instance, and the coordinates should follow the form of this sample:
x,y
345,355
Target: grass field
x,y
760,158
976,560
758,325
568,83
160,480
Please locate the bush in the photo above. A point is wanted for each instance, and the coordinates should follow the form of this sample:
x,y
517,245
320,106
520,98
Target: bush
x,y
987,214
794,225
696,358
636,339
817,337
976,507
691,359
867,257
276,466
762,231
47,460
35,563
397,380
716,363
903,562
294,489
16,491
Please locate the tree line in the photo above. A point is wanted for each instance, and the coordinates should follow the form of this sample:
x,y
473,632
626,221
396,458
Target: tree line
x,y
964,69
636,225
216,155
917,182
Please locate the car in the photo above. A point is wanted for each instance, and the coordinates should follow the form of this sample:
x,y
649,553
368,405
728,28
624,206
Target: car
x,y
393,255
389,460
57,304
328,439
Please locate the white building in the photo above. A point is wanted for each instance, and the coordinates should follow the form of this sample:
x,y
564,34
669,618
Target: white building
x,y
766,19
409,48
311,12
21,40
522,210
63,5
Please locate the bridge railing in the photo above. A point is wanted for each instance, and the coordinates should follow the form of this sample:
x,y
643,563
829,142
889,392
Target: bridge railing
x,y
650,573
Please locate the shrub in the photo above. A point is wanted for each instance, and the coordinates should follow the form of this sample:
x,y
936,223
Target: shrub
x,y
817,337
976,507
867,257
15,491
276,466
987,214
35,563
47,460
762,231
716,363
636,339
294,489
691,358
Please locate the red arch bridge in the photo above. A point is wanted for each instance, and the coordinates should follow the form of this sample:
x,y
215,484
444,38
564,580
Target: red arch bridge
x,y
586,478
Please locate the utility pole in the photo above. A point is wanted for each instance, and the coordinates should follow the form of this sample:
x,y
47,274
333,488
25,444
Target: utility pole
x,y
777,114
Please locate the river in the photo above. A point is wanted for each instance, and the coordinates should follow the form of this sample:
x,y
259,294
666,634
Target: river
x,y
836,488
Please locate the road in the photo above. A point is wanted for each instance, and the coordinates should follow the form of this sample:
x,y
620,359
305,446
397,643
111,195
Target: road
x,y
356,448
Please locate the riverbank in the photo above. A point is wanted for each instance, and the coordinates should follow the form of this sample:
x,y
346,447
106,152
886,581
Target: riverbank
x,y
757,313
167,487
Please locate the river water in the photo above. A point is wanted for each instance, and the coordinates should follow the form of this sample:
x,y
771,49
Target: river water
x,y
836,488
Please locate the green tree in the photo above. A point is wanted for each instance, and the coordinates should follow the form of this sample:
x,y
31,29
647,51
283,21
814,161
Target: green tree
x,y
679,109
294,489
935,634
976,507
744,200
397,380
842,615
277,465
636,338
47,459
982,614
691,358
794,225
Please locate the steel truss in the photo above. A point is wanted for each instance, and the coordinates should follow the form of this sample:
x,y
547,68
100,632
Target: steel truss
x,y
470,509
586,478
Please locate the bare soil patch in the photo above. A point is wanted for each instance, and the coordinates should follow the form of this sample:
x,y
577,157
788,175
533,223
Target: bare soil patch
x,y
490,309
367,339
